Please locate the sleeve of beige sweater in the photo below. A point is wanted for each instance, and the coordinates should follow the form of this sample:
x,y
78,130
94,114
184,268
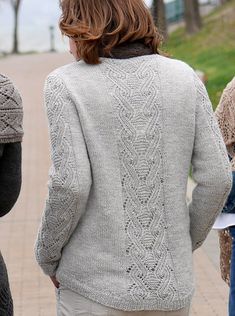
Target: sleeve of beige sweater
x,y
225,114
211,169
69,178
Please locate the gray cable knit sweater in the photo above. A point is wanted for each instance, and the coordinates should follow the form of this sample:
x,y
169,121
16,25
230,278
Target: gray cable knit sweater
x,y
116,226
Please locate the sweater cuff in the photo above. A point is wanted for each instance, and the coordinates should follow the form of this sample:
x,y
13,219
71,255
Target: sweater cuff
x,y
13,139
49,269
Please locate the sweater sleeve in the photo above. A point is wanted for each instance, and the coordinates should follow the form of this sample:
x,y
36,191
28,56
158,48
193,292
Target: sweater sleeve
x,y
11,112
10,176
211,169
69,177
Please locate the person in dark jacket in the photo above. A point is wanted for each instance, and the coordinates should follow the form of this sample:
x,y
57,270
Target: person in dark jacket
x,y
11,133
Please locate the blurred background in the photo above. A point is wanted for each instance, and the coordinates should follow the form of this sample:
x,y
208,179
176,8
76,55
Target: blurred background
x,y
199,32
194,30
34,21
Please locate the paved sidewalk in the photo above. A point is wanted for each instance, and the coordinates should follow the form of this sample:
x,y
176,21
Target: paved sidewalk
x,y
33,292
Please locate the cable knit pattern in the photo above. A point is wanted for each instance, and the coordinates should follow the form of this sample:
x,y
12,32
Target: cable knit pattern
x,y
61,206
11,112
116,227
139,113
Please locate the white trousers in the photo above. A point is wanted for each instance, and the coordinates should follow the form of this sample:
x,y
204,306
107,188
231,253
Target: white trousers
x,y
70,303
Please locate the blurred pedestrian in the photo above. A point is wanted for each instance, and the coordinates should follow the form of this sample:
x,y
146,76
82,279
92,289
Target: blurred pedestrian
x,y
11,133
225,114
125,125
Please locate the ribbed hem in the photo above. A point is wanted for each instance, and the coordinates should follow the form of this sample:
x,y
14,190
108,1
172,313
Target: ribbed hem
x,y
8,140
122,303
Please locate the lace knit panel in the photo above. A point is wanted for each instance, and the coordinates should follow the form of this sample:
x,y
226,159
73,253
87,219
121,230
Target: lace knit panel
x,y
11,112
137,103
61,205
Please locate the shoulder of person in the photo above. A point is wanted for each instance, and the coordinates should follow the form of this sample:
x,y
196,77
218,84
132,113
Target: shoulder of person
x,y
228,96
176,64
178,71
230,88
64,71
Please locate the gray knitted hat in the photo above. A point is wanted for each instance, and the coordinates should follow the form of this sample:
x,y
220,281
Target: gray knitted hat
x,y
11,112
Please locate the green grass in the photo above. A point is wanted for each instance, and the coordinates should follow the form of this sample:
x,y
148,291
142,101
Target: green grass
x,y
212,50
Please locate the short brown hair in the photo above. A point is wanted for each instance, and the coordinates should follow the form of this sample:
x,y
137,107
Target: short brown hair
x,y
97,26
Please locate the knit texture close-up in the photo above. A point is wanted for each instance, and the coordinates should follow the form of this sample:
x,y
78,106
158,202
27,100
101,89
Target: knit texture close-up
x,y
11,112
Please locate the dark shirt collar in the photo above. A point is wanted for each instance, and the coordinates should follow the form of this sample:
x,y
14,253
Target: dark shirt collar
x,y
129,50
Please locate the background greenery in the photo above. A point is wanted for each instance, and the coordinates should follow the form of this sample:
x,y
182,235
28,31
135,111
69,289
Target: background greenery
x,y
212,50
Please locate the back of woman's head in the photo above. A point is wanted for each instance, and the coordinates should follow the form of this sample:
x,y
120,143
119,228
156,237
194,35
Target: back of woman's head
x,y
97,26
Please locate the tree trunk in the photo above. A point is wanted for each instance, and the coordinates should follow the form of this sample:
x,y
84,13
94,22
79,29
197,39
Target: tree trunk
x,y
192,16
16,7
198,19
159,15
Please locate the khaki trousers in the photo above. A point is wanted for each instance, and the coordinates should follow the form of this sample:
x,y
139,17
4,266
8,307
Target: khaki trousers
x,y
70,303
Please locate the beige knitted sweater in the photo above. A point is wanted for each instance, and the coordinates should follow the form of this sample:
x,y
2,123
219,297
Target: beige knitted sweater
x,y
225,114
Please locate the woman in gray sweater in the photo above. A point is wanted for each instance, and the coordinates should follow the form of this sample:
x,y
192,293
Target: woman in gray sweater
x,y
11,133
125,126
